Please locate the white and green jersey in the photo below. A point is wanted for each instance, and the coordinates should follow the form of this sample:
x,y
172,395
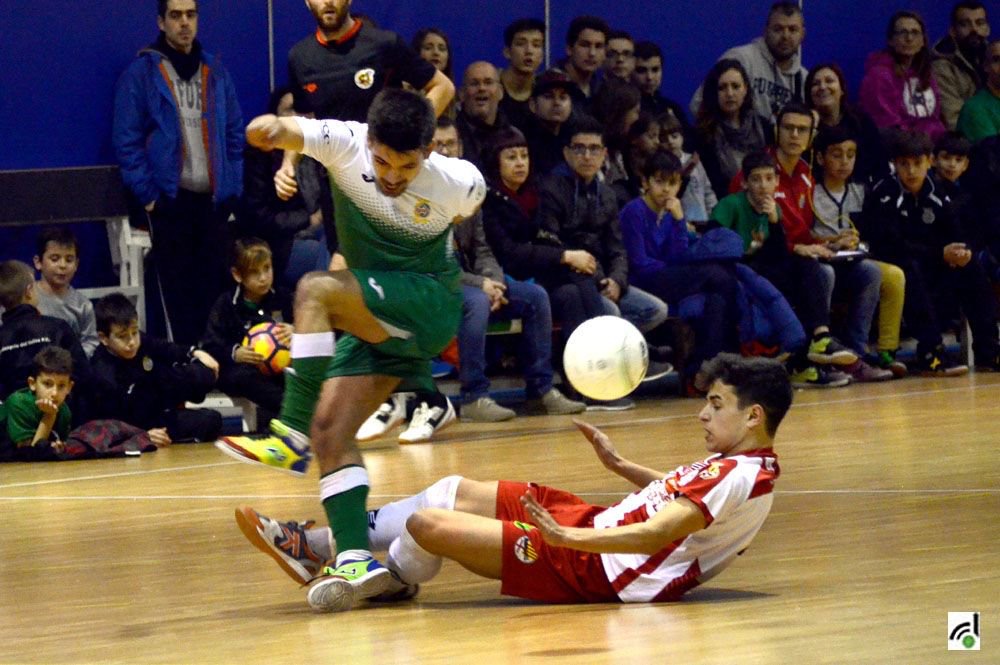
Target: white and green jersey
x,y
411,232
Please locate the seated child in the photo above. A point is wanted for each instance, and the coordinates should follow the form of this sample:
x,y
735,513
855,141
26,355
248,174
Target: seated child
x,y
755,215
837,201
57,260
253,301
145,381
25,332
697,198
36,421
656,238
910,223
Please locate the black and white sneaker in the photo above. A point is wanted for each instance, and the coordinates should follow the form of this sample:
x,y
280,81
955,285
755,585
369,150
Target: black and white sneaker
x,y
392,412
426,421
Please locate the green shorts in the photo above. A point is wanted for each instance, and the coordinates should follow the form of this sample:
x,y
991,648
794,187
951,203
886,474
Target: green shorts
x,y
420,312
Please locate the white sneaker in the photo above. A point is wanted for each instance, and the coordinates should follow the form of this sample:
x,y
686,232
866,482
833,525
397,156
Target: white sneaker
x,y
391,413
426,421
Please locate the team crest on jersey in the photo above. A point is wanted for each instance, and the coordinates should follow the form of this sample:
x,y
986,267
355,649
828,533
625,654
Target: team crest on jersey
x,y
928,216
422,211
711,472
364,78
147,364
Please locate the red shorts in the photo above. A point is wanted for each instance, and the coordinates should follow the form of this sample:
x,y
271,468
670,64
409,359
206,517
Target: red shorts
x,y
537,571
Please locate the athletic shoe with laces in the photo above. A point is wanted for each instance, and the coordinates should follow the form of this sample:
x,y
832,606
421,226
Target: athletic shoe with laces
x,y
817,377
486,410
827,350
287,543
392,412
284,449
426,421
556,404
339,589
862,372
887,360
936,363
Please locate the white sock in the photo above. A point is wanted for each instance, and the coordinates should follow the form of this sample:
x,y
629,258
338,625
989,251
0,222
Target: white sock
x,y
410,561
389,522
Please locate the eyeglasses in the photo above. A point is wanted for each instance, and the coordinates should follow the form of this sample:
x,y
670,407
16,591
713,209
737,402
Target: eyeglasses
x,y
620,54
911,34
580,149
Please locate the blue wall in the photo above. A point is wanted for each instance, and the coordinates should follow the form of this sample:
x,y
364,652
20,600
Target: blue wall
x,y
59,60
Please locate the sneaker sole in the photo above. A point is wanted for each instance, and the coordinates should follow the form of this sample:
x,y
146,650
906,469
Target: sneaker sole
x,y
841,358
240,457
819,386
335,594
600,407
948,374
658,375
251,526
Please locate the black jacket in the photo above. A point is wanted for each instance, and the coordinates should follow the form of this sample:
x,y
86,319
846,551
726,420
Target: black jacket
x,y
232,316
518,242
141,391
25,332
279,222
901,227
585,217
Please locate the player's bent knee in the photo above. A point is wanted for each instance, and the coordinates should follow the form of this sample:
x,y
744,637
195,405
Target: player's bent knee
x,y
322,287
427,527
442,493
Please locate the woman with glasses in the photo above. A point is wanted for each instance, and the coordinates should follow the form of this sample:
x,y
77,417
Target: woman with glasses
x,y
899,90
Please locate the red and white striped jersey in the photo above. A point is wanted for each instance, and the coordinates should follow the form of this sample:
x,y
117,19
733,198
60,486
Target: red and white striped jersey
x,y
735,495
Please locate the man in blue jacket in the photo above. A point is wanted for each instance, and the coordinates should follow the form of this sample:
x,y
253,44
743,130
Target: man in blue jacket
x,y
178,136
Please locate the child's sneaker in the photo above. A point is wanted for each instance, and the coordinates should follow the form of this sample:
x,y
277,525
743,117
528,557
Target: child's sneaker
x,y
817,377
287,543
828,351
426,421
887,360
391,413
284,449
339,589
936,363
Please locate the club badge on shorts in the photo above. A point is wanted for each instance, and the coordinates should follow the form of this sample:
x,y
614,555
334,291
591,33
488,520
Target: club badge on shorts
x,y
364,78
524,550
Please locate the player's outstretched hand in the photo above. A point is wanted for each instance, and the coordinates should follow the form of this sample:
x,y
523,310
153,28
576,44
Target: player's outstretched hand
x,y
263,132
606,451
552,532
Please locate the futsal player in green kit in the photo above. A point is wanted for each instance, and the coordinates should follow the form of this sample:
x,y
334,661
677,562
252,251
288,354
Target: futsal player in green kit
x,y
398,304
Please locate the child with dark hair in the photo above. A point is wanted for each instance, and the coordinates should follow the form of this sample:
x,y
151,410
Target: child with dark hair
x,y
146,381
524,49
25,332
910,223
697,196
656,238
36,419
252,302
57,258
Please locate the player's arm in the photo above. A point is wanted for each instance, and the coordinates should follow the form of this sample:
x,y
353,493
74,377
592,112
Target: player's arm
x,y
676,520
269,132
439,91
606,452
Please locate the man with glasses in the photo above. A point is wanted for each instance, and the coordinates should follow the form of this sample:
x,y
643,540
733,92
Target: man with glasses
x,y
620,55
959,58
581,212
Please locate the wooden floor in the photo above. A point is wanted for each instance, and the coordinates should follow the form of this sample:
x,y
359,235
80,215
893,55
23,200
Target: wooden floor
x,y
886,517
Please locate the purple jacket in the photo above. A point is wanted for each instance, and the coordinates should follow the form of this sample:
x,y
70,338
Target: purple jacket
x,y
894,101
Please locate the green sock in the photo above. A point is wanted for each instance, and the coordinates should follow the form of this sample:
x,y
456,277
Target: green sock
x,y
348,518
302,388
